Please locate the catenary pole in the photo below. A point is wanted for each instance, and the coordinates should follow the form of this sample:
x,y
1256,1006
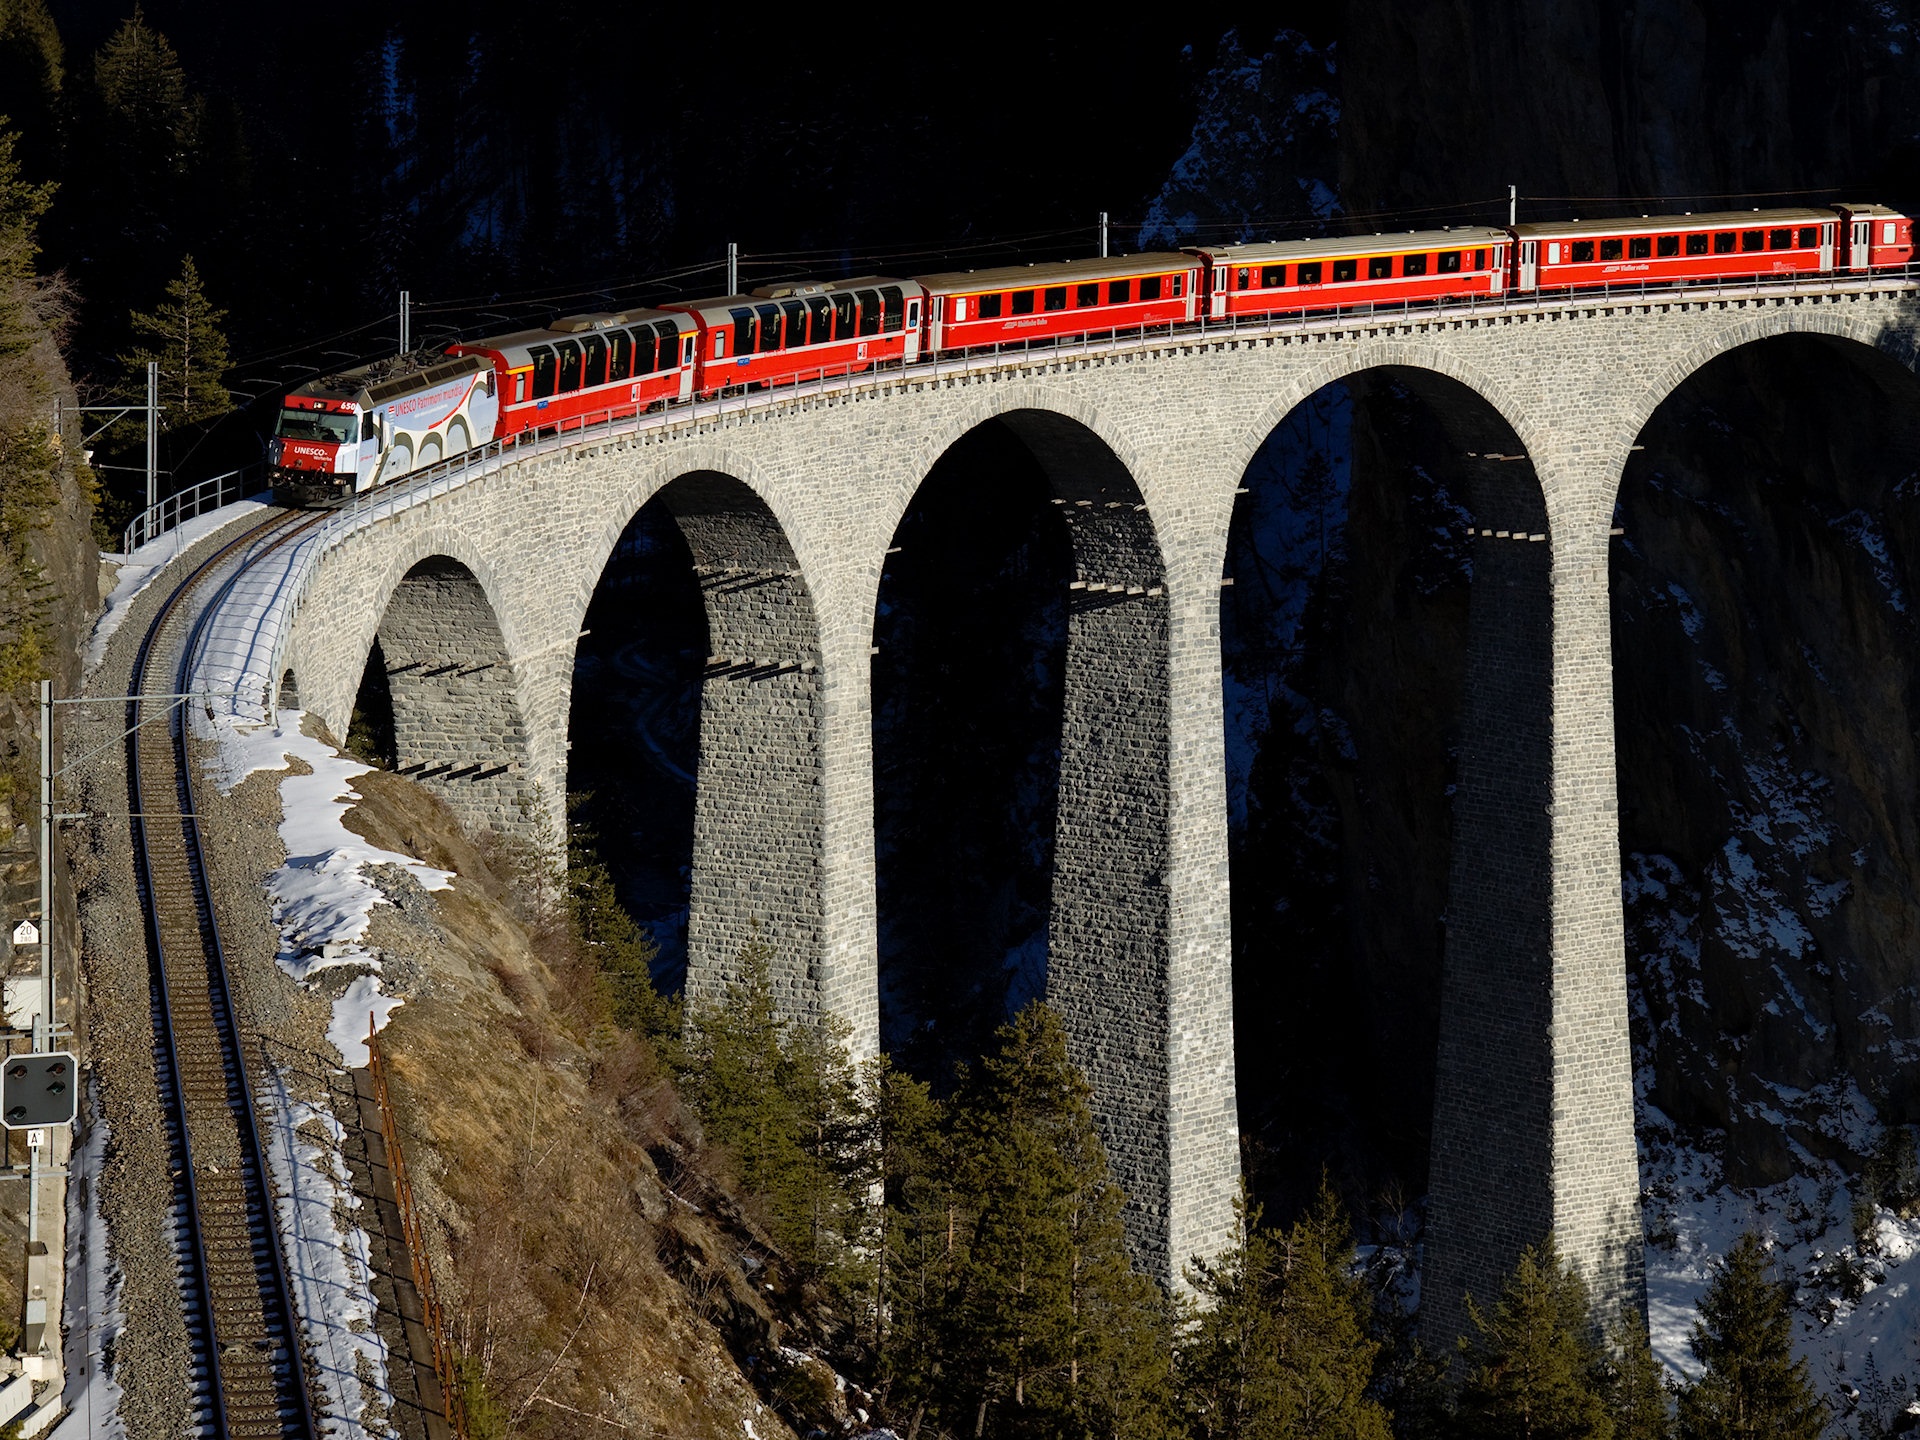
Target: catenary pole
x,y
733,267
1513,204
153,433
1103,234
406,319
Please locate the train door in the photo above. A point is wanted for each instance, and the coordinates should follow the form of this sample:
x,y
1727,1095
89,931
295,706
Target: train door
x,y
1497,272
1826,247
1219,297
688,344
1529,264
912,351
1861,253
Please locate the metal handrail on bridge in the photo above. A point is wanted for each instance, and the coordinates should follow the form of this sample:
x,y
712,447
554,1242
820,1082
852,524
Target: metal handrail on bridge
x,y
168,512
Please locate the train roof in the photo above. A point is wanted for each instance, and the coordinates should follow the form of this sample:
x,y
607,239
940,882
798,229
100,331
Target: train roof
x,y
382,380
720,306
513,347
1647,224
1878,211
1016,277
1457,237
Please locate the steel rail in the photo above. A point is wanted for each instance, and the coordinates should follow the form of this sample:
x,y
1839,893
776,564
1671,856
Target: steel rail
x,y
234,1279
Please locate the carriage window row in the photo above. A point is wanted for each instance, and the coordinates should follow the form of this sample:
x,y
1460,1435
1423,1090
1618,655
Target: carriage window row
x,y
816,320
1379,267
607,357
1700,242
1054,297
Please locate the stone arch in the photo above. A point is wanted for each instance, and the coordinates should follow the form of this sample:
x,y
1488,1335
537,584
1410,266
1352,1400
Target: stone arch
x,y
458,727
287,697
1489,1160
756,868
1108,926
1899,343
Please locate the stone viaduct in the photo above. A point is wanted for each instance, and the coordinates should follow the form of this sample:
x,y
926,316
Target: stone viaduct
x,y
476,586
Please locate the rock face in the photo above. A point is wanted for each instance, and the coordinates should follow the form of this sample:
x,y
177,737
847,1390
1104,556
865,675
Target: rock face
x,y
1765,682
1448,103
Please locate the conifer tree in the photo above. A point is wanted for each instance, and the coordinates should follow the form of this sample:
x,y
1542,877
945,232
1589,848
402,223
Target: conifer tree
x,y
621,953
21,207
152,121
1034,1322
1752,1388
1282,1346
1535,1371
184,335
788,1103
1637,1391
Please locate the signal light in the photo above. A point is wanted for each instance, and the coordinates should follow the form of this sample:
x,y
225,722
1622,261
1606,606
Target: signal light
x,y
37,1090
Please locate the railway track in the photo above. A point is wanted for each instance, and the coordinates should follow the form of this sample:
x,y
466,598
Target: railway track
x,y
247,1369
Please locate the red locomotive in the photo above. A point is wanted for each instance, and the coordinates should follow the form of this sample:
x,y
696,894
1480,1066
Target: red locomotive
x,y
347,433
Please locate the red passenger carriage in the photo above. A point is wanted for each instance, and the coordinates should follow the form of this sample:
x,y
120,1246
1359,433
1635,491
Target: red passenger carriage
x,y
1665,249
1049,302
587,365
783,333
1353,270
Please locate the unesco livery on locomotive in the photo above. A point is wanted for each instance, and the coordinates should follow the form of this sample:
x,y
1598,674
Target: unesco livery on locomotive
x,y
347,433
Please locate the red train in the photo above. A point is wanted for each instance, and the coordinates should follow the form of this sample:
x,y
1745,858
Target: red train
x,y
350,432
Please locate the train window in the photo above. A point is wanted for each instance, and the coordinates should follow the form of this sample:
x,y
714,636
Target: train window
x,y
1480,260
519,394
1308,274
1149,287
1723,242
769,326
1272,275
1580,251
1640,247
869,312
1887,233
1054,297
669,334
845,314
1809,237
1610,249
1414,265
594,351
1119,292
1753,240
1780,239
894,301
796,322
569,352
1379,267
1697,244
543,371
1242,278
990,307
1667,245
1345,270
366,420
1179,285
1087,295
1450,262
719,344
620,356
822,312
643,342
1023,302
743,328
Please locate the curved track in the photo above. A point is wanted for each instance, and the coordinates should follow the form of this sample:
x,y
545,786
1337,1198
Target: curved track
x,y
248,1371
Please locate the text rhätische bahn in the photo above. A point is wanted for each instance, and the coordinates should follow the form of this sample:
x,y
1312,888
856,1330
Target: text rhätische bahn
x,y
350,432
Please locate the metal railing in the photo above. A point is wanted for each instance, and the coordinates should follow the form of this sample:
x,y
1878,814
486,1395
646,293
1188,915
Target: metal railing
x,y
433,1316
167,514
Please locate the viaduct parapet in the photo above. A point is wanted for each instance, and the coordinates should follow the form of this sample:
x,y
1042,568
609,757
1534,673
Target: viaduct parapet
x,y
475,584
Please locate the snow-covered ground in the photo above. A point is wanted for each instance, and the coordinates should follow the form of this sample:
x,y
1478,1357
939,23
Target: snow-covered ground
x,y
138,569
93,1317
329,1261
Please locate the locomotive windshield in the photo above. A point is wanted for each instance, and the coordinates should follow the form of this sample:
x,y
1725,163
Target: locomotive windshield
x,y
335,429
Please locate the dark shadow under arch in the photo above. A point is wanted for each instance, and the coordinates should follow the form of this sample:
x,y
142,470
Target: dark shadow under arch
x,y
1767,704
1386,645
696,731
1021,775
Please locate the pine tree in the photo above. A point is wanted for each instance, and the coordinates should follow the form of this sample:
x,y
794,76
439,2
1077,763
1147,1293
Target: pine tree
x,y
790,1106
1752,1386
1637,1391
184,335
1535,1371
621,953
1282,1345
21,207
152,121
1029,1317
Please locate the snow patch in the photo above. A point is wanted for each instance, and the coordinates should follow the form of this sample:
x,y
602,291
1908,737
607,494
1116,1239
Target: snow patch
x,y
139,568
329,1261
322,899
94,1318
